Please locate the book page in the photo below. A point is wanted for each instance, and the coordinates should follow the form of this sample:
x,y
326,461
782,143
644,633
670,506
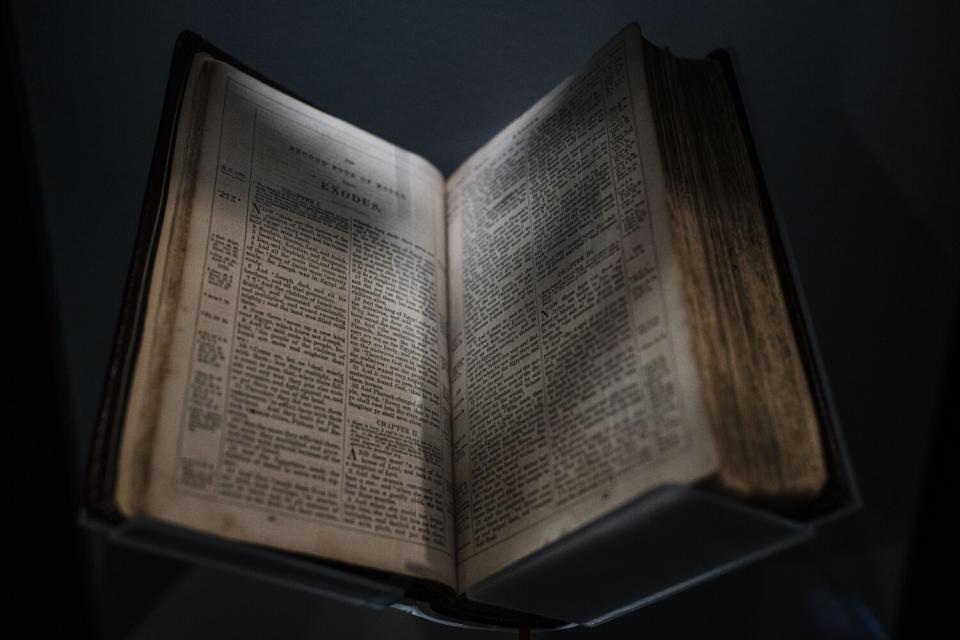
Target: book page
x,y
291,386
573,384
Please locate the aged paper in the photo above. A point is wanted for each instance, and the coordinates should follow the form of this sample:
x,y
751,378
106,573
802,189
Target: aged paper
x,y
573,382
755,389
292,389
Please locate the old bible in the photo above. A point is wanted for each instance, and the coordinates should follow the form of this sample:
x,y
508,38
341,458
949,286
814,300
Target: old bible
x,y
330,349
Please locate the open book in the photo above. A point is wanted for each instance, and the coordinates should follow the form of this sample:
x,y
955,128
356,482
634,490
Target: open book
x,y
336,351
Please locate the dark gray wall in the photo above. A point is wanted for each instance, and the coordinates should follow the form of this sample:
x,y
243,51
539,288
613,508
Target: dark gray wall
x,y
853,109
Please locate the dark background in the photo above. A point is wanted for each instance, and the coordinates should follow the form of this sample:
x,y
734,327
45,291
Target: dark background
x,y
853,108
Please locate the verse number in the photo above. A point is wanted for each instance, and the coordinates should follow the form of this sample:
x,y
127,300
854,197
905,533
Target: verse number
x,y
226,195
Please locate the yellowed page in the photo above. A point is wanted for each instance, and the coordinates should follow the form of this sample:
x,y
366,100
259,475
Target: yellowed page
x,y
573,382
291,387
